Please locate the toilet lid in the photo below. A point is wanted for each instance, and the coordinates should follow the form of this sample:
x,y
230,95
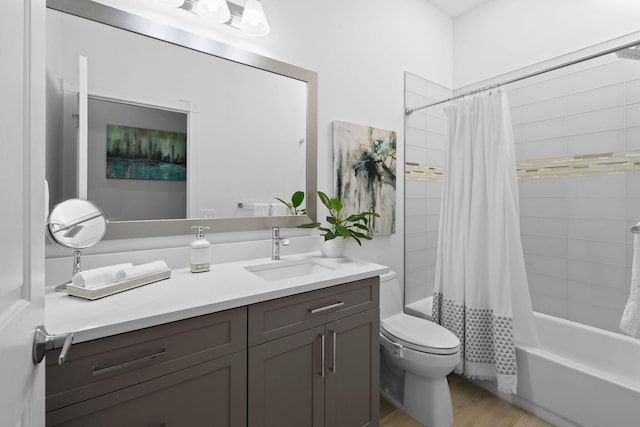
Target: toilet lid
x,y
420,334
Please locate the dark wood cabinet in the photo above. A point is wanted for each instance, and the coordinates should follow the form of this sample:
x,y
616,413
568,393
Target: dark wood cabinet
x,y
324,375
310,359
186,373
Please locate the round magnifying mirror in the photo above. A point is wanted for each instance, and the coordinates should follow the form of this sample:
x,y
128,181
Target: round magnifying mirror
x,y
75,224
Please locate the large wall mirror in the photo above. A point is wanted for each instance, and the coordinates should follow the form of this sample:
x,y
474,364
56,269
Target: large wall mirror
x,y
180,129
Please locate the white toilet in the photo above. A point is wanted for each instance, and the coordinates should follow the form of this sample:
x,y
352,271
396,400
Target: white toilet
x,y
416,357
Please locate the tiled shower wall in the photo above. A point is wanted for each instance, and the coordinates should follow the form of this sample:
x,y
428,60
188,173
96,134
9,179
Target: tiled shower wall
x,y
575,229
424,139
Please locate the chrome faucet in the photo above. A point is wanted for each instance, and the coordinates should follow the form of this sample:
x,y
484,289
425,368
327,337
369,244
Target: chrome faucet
x,y
276,241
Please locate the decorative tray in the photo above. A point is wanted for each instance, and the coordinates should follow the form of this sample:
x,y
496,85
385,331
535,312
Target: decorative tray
x,y
114,288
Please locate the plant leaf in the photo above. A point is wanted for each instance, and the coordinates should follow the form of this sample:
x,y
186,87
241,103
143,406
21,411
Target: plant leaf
x,y
324,199
336,204
297,198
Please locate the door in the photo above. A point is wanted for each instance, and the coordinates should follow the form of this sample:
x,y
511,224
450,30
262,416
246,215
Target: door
x,y
353,371
22,128
286,381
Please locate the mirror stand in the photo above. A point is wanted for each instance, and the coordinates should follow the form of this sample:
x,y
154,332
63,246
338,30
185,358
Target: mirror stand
x,y
76,269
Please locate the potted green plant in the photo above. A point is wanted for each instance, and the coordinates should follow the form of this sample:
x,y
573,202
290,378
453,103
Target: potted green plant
x,y
341,227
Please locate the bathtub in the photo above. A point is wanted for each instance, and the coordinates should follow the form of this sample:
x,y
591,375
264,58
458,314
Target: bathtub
x,y
580,376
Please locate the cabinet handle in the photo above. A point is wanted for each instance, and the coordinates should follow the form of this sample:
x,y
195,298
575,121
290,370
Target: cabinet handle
x,y
326,307
322,360
334,334
99,371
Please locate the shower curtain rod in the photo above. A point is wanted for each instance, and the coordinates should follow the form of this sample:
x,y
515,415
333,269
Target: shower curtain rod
x,y
410,110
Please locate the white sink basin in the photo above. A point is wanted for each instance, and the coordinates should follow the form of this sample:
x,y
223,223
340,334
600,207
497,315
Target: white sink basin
x,y
281,270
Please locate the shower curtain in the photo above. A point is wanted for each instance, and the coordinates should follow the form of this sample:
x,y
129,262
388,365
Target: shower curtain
x,y
481,292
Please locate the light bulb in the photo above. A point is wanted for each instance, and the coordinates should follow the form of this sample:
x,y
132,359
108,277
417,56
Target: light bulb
x,y
254,22
216,10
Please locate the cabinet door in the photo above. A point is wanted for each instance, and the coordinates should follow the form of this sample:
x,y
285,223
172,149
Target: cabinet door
x,y
353,371
286,384
210,394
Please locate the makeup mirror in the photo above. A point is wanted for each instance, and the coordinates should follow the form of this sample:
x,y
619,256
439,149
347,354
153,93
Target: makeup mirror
x,y
75,224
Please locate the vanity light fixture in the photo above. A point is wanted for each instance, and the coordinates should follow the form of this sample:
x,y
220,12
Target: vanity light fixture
x,y
249,19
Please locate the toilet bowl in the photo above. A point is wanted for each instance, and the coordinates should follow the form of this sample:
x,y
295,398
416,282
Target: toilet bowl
x,y
416,357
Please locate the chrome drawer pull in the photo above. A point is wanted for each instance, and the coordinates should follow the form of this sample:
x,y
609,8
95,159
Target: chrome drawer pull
x,y
99,371
326,307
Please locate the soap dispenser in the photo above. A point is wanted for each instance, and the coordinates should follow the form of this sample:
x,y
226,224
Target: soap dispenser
x,y
200,251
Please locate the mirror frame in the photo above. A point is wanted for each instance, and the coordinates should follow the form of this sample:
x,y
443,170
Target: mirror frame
x,y
171,227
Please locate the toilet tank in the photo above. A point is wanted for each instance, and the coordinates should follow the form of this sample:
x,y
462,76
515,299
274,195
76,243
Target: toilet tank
x,y
390,295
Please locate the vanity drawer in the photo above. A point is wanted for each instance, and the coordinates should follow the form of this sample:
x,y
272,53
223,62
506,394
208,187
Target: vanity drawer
x,y
102,366
280,317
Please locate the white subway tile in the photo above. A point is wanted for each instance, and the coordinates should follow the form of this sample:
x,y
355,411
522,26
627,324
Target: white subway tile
x,y
593,186
596,99
633,138
434,157
597,207
550,227
415,207
415,241
416,258
550,305
416,189
416,137
633,210
433,206
412,98
597,142
596,121
415,154
417,120
436,141
544,207
547,285
548,266
439,92
633,92
604,75
544,187
543,110
541,149
612,253
436,125
597,230
415,224
633,115
434,190
544,129
548,89
433,222
598,296
414,83
607,275
545,246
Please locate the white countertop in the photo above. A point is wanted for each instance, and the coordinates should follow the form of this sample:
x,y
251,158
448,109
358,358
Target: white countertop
x,y
187,294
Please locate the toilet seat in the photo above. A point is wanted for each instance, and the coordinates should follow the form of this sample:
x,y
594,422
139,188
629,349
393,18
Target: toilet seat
x,y
419,334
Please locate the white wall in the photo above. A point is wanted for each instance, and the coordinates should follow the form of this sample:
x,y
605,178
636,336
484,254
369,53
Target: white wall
x,y
360,50
501,36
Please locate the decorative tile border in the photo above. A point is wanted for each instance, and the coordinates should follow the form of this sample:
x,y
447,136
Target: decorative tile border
x,y
554,167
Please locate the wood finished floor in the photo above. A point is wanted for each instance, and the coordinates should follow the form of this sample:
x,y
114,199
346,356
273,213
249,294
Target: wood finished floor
x,y
472,407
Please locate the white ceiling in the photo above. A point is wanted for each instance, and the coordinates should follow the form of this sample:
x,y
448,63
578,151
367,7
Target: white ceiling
x,y
456,8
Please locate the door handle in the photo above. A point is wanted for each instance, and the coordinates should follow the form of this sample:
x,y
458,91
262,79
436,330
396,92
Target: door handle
x,y
334,344
43,341
322,357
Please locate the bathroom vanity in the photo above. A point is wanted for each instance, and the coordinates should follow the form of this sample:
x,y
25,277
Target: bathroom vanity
x,y
237,346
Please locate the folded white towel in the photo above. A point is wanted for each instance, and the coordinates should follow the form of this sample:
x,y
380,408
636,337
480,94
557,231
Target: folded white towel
x,y
261,209
630,323
141,270
278,209
98,276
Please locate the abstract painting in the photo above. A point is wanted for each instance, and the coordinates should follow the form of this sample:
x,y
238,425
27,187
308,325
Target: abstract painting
x,y
364,159
138,153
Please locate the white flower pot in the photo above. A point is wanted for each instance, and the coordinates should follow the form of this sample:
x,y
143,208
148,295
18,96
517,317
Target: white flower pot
x,y
333,248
